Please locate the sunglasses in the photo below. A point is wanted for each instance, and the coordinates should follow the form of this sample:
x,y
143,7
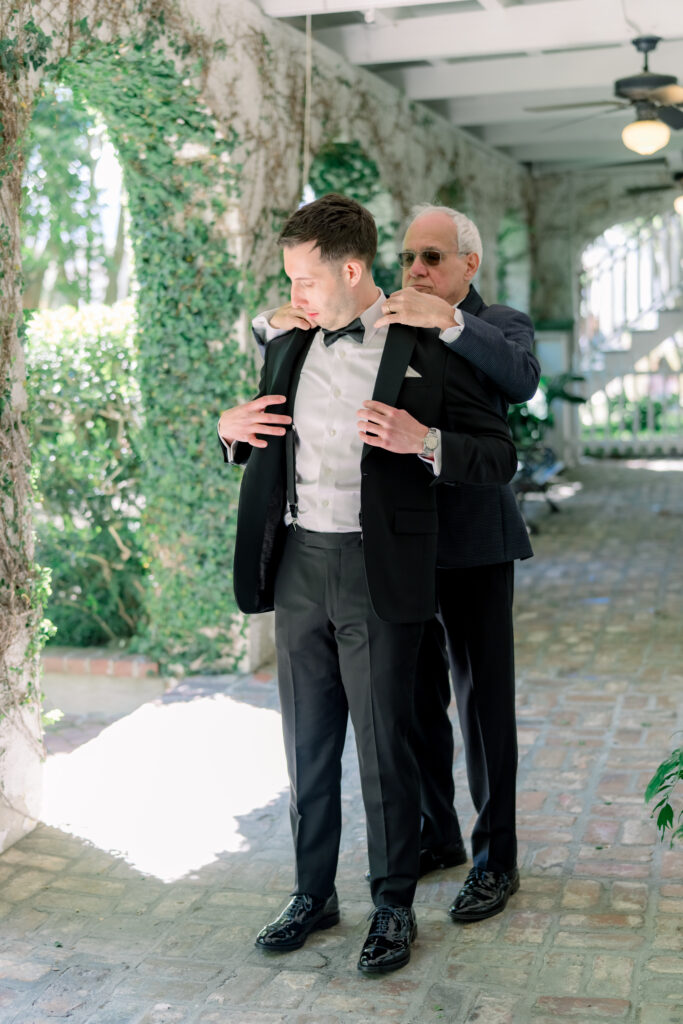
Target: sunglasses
x,y
431,257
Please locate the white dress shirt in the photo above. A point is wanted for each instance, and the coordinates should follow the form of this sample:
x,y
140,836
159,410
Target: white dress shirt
x,y
334,383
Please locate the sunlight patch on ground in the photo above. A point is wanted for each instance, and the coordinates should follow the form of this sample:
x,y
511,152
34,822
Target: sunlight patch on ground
x,y
164,786
559,490
656,465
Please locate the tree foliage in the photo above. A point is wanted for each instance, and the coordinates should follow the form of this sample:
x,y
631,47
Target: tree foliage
x,y
61,209
86,421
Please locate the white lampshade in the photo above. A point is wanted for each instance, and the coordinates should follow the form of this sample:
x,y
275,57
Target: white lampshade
x,y
646,137
678,204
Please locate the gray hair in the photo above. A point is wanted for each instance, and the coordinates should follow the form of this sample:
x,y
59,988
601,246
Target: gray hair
x,y
469,239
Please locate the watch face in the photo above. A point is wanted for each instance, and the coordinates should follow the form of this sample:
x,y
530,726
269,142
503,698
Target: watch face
x,y
430,442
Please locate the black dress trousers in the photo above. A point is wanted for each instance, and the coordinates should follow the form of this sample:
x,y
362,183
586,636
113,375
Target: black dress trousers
x,y
335,658
475,607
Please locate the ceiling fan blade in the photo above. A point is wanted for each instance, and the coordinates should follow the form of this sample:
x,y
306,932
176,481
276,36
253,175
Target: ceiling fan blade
x,y
671,116
669,95
576,106
637,190
568,122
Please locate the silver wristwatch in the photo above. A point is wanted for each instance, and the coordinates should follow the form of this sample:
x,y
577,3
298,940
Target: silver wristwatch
x,y
430,441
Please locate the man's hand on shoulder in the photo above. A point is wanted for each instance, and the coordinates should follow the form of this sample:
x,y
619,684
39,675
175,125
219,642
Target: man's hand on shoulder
x,y
244,422
287,317
416,309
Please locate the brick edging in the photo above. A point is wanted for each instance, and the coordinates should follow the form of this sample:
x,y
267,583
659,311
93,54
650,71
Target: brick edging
x,y
100,663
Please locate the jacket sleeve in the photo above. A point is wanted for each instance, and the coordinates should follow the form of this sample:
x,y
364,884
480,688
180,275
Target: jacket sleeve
x,y
476,444
499,342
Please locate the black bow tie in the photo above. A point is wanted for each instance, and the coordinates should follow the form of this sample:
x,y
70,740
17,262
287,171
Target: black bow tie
x,y
354,330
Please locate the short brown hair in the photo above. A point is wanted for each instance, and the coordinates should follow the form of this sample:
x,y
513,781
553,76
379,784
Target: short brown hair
x,y
340,227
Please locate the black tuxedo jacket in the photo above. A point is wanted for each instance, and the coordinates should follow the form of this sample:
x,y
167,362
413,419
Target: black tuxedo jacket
x,y
398,492
483,525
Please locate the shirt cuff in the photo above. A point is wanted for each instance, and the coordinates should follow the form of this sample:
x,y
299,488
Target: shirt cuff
x,y
228,448
260,325
452,334
434,462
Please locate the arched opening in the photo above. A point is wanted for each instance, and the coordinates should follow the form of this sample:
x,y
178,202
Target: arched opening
x,y
630,341
81,357
180,182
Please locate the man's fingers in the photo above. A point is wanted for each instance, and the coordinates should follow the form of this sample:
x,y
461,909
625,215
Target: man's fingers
x,y
371,439
273,417
375,409
264,428
388,320
265,400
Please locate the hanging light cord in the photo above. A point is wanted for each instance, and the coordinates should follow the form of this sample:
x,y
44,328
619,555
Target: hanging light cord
x,y
306,162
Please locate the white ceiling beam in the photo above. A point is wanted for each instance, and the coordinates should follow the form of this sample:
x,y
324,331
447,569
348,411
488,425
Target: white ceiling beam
x,y
553,25
581,153
600,67
297,8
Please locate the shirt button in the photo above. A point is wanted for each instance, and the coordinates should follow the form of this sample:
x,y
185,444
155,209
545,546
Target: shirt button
x,y
336,392
332,432
325,503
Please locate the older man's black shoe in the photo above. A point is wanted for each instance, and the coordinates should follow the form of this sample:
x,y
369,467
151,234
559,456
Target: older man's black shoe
x,y
387,946
436,860
484,894
302,915
447,857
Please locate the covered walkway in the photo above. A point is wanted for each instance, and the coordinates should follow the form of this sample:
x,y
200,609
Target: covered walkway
x,y
133,920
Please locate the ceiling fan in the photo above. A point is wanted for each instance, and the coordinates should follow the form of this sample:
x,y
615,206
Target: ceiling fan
x,y
657,99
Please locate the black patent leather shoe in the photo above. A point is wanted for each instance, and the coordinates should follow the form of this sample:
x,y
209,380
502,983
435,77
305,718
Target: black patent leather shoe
x,y
302,915
436,860
387,946
484,894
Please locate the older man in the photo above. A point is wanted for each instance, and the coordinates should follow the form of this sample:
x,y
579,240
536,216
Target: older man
x,y
481,533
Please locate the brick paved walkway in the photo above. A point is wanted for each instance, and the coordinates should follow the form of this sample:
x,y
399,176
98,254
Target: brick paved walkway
x,y
595,933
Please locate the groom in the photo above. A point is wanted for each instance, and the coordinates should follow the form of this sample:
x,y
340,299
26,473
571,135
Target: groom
x,y
353,430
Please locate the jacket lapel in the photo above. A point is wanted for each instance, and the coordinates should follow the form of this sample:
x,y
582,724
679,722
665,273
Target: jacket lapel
x,y
398,349
286,369
473,302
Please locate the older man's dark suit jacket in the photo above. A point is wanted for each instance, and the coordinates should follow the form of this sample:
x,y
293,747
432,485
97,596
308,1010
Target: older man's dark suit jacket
x,y
483,525
398,492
